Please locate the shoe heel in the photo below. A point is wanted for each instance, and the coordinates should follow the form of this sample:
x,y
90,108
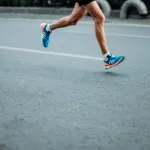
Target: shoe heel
x,y
43,26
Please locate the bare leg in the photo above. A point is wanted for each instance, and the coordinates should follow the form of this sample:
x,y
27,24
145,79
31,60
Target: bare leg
x,y
77,13
99,19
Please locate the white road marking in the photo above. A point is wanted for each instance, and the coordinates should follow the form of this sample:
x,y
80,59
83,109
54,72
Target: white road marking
x,y
129,35
109,34
83,22
50,53
89,22
129,25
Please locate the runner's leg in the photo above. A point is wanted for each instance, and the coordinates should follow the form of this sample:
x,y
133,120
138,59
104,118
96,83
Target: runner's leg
x,y
77,13
99,19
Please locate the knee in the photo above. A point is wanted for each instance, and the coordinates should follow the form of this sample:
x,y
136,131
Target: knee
x,y
99,20
72,21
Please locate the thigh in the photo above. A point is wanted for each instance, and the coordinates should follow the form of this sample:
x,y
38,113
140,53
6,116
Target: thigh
x,y
94,10
78,12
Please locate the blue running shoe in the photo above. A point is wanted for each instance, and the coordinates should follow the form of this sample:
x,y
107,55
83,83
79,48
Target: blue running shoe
x,y
112,61
45,35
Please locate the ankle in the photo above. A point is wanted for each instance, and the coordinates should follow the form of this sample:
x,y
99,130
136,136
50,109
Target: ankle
x,y
48,28
106,54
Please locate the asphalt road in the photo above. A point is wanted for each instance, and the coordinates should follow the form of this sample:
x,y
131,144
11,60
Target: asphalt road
x,y
59,99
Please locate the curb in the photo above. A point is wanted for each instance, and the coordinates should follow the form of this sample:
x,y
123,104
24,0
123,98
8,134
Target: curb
x,y
51,11
36,10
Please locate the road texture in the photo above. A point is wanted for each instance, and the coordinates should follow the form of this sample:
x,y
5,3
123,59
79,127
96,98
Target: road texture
x,y
62,98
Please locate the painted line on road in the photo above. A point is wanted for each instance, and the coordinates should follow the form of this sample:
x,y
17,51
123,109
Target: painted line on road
x,y
89,22
50,53
110,34
129,25
128,35
83,22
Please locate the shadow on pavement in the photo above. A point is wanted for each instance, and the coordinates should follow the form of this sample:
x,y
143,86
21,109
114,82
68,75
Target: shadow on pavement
x,y
112,74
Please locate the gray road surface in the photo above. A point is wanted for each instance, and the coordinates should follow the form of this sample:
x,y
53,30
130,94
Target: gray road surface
x,y
51,102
